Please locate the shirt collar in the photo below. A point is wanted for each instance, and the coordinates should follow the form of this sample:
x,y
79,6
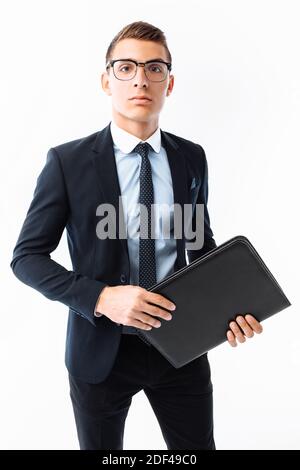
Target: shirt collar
x,y
126,141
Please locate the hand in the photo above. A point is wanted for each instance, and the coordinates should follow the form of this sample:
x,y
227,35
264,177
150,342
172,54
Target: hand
x,y
132,306
244,325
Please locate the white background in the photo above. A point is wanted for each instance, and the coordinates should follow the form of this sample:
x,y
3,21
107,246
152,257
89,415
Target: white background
x,y
236,67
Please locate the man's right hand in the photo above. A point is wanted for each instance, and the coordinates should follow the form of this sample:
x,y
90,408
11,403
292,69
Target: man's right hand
x,y
133,306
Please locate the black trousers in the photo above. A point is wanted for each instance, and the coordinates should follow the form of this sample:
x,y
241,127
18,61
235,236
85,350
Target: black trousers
x,y
180,398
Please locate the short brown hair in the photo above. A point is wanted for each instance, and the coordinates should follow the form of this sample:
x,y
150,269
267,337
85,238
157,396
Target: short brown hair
x,y
139,30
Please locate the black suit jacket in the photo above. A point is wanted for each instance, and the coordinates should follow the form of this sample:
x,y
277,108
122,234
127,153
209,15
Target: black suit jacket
x,y
77,177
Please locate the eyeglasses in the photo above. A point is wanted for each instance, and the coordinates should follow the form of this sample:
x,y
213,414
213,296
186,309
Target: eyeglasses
x,y
125,69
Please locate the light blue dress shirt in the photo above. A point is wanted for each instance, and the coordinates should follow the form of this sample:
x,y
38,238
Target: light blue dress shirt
x,y
128,165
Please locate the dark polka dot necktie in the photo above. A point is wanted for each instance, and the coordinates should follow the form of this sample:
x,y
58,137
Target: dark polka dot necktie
x,y
147,262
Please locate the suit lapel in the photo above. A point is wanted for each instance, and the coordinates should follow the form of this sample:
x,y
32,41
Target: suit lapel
x,y
180,190
106,169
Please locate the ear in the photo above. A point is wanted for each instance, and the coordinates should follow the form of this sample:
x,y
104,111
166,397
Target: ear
x,y
170,85
105,83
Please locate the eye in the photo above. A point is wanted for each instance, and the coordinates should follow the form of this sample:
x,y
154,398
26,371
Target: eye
x,y
124,67
155,68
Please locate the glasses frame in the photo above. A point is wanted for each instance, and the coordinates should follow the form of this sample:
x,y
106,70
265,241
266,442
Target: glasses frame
x,y
141,64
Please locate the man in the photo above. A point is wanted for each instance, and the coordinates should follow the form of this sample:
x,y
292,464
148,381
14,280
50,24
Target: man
x,y
106,291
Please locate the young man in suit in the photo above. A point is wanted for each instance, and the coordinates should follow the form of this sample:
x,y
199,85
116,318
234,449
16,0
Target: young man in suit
x,y
106,291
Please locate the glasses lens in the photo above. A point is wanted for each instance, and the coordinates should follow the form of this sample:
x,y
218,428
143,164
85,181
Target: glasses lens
x,y
124,70
156,71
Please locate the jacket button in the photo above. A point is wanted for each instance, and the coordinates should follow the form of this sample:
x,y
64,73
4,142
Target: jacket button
x,y
123,278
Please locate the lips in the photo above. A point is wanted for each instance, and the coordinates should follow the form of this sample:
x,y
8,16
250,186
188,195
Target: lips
x,y
141,101
141,98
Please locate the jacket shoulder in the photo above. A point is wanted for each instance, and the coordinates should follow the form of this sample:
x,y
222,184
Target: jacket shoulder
x,y
76,145
185,143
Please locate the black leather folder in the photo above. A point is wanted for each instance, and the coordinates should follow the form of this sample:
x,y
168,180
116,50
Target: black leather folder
x,y
211,291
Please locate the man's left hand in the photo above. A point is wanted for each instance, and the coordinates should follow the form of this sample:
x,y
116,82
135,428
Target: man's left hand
x,y
244,326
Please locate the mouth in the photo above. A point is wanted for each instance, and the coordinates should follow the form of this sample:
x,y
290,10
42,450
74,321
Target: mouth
x,y
141,100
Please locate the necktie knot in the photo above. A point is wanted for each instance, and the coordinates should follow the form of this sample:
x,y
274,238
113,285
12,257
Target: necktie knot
x,y
142,149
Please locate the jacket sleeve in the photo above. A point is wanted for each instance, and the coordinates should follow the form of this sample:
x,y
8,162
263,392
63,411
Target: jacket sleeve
x,y
202,198
40,234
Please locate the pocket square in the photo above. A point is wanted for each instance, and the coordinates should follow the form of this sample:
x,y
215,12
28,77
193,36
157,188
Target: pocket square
x,y
194,183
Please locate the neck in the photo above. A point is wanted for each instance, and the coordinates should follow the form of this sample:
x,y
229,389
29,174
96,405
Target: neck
x,y
142,130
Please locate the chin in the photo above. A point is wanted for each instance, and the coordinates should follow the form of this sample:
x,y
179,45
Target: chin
x,y
139,115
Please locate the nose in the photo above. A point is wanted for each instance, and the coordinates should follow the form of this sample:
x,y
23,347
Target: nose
x,y
140,79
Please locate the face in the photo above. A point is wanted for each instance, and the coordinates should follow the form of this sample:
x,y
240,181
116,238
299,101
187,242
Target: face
x,y
122,91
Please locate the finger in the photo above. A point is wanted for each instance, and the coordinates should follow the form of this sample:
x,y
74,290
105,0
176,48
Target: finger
x,y
139,324
237,332
159,300
156,311
231,339
246,329
149,320
255,325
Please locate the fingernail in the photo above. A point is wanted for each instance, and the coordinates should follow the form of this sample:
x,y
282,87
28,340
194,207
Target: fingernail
x,y
173,307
